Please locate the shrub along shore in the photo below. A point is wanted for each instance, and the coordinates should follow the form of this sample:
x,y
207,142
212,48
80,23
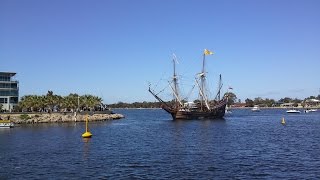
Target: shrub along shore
x,y
31,118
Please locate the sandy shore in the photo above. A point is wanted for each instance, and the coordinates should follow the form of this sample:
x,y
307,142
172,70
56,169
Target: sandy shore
x,y
29,118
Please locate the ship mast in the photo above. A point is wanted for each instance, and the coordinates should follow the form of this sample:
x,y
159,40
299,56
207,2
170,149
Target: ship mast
x,y
175,87
220,86
202,81
202,88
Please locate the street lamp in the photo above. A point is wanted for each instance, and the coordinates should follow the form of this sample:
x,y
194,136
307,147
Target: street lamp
x,y
78,103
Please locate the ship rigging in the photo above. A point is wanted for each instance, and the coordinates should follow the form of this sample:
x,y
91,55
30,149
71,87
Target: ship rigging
x,y
205,109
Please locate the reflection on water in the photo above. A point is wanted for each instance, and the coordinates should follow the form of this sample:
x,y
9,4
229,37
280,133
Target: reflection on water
x,y
86,140
86,147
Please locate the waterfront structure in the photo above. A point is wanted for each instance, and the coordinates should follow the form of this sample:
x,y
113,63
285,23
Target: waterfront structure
x,y
312,103
287,105
9,91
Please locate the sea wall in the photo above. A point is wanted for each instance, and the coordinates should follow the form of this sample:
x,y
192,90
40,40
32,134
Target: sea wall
x,y
29,118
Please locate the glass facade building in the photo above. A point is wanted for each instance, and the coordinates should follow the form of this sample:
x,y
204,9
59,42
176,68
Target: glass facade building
x,y
9,91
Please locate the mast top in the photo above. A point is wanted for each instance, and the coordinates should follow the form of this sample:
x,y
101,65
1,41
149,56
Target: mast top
x,y
203,95
205,53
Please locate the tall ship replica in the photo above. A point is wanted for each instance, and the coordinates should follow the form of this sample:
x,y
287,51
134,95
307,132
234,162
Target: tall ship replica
x,y
204,108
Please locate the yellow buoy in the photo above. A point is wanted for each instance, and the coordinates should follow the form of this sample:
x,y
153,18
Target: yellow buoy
x,y
87,134
283,122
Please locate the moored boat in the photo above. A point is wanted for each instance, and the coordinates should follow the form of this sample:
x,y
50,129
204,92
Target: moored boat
x,y
293,111
255,108
204,109
6,124
310,110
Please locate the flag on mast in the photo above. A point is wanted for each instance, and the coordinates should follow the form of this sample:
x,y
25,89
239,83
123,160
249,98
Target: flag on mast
x,y
207,52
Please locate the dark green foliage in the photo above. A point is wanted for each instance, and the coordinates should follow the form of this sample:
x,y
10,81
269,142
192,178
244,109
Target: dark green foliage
x,y
231,97
52,102
249,102
143,104
24,116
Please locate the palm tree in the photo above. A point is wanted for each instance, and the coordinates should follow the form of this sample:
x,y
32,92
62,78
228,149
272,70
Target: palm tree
x,y
91,101
50,101
39,103
27,102
59,101
70,101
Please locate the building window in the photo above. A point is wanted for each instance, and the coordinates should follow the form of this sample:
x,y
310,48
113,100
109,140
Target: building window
x,y
9,93
14,100
3,100
4,78
9,85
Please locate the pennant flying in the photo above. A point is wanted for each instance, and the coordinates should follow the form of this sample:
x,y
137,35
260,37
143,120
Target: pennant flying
x,y
207,52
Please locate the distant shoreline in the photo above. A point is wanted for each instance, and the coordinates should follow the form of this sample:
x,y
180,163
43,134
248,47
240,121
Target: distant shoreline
x,y
276,107
241,108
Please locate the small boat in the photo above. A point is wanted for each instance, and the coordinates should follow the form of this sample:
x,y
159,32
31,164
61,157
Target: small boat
x,y
228,111
293,111
255,108
310,110
6,124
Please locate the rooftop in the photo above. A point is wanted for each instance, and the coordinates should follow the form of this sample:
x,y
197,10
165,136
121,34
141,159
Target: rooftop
x,y
8,73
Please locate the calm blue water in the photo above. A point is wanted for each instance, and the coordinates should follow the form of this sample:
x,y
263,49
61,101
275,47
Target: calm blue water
x,y
148,145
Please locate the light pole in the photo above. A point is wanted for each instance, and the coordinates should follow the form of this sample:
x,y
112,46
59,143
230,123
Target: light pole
x,y
78,103
9,102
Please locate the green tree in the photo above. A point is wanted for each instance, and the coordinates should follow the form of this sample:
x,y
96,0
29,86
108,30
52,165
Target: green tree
x,y
31,102
91,101
258,100
231,97
51,101
249,102
70,101
285,100
311,97
269,102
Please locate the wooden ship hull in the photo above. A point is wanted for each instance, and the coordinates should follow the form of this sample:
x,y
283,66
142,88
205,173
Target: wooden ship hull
x,y
215,112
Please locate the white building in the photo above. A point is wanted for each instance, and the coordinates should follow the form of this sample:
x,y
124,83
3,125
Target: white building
x,y
9,91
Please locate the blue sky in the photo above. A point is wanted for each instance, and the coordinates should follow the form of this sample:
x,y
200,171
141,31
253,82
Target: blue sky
x,y
113,48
